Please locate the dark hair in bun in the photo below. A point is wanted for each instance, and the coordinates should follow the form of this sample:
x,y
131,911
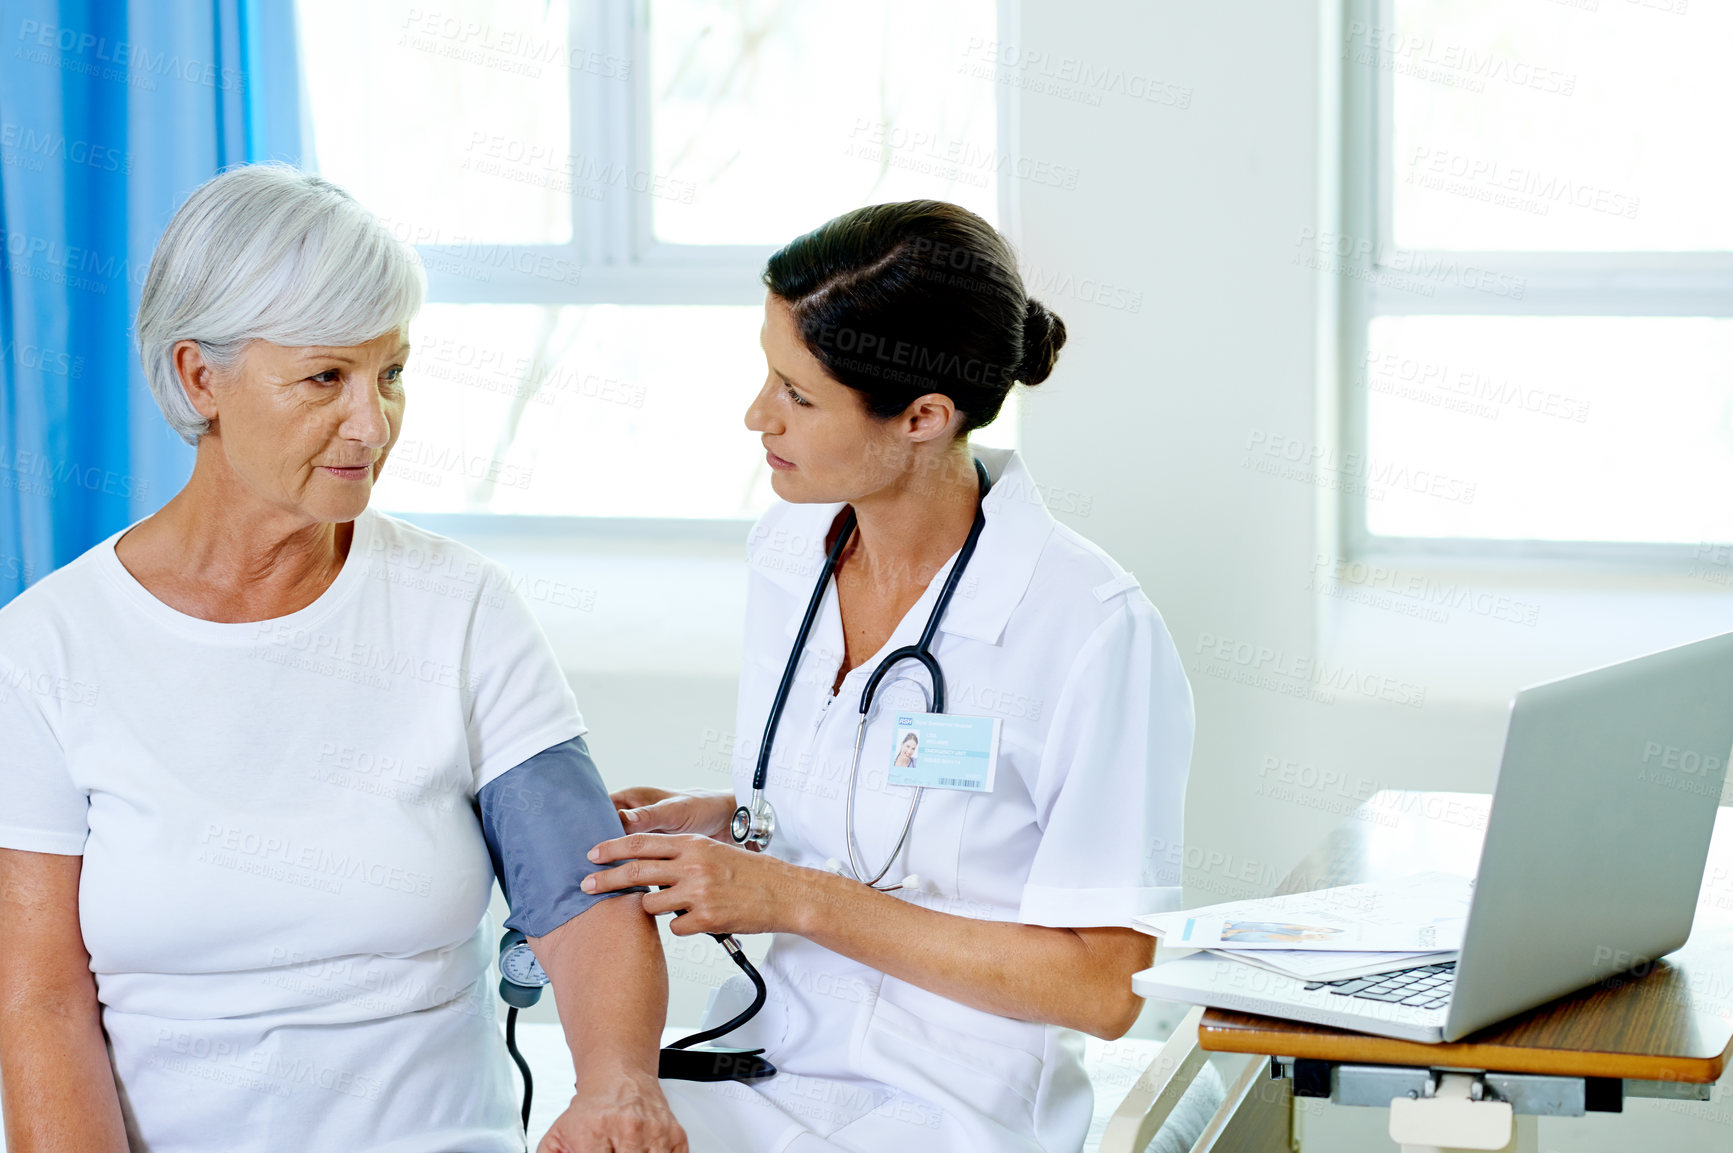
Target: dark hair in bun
x,y
1043,337
899,300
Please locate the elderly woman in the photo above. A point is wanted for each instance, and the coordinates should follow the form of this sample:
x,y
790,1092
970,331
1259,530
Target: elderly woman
x,y
252,771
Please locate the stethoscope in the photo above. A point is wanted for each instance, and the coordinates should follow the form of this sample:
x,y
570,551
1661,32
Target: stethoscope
x,y
693,1058
755,822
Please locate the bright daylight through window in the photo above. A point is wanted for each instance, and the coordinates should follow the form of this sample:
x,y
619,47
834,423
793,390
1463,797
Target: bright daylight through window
x,y
594,188
1539,263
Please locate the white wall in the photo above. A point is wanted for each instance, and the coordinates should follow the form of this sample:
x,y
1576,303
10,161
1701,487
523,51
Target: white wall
x,y
1151,414
1200,209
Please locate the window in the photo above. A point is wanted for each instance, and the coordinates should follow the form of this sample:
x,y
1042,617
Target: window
x,y
594,186
1538,276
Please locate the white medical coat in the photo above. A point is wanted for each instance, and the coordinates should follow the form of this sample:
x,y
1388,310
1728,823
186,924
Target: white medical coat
x,y
1081,828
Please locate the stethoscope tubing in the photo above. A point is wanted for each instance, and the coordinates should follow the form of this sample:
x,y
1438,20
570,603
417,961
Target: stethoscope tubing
x,y
920,651
854,850
761,773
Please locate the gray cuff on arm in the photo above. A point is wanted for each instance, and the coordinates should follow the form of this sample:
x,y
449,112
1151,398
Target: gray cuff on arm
x,y
541,819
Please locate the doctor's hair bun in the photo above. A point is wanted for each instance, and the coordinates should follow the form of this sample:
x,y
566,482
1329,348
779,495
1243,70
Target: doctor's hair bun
x,y
1043,337
897,301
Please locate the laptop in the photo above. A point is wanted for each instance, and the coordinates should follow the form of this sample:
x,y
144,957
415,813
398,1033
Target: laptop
x,y
1595,846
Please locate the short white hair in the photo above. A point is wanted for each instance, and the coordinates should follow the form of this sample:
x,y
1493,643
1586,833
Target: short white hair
x,y
268,252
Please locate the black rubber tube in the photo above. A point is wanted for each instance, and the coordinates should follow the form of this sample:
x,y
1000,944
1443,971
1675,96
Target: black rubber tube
x,y
733,1023
522,1065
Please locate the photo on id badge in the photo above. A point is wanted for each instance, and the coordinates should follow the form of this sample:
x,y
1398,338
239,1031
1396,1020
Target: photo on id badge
x,y
945,751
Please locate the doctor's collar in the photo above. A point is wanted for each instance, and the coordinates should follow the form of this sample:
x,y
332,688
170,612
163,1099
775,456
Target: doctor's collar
x,y
787,548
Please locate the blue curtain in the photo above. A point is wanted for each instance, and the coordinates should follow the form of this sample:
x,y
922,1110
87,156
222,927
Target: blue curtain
x,y
111,113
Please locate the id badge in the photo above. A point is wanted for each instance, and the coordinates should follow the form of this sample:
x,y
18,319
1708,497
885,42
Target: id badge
x,y
944,751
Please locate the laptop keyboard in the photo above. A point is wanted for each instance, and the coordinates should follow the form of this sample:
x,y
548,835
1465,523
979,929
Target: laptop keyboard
x,y
1427,987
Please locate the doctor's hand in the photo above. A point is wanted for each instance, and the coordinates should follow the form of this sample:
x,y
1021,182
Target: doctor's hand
x,y
626,1115
723,887
649,810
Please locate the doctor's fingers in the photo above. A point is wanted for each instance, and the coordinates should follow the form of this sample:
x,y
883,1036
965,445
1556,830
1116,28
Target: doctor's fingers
x,y
638,796
677,898
656,846
631,875
675,814
693,915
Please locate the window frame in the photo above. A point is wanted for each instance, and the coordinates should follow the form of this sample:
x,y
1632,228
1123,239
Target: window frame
x,y
619,259
611,245
1572,283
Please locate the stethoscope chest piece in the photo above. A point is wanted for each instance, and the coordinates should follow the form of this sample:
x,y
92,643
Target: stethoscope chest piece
x,y
754,824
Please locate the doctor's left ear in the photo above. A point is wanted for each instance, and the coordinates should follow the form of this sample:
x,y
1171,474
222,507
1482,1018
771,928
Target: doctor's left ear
x,y
931,417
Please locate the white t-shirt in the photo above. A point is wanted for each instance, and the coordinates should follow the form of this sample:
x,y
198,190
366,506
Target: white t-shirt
x,y
284,883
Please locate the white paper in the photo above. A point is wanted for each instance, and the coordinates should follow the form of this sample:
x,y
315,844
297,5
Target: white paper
x,y
1322,965
1422,913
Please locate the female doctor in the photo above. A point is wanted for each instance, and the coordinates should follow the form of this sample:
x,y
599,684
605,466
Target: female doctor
x,y
927,991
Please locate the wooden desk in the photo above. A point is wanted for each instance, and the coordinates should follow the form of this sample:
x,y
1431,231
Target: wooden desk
x,y
1674,1023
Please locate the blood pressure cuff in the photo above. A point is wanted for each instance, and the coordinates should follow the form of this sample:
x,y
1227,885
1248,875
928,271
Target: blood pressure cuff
x,y
541,820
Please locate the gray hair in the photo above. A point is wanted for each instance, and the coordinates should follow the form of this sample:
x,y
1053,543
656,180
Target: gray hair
x,y
267,252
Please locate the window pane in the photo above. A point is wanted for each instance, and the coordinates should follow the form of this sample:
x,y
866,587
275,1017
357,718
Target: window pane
x,y
598,410
770,118
450,122
1569,125
1548,428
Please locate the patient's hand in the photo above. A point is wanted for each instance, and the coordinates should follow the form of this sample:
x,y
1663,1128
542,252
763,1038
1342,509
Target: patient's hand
x,y
627,1115
650,810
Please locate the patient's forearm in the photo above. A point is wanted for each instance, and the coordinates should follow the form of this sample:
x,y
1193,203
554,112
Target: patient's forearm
x,y
58,1085
611,985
